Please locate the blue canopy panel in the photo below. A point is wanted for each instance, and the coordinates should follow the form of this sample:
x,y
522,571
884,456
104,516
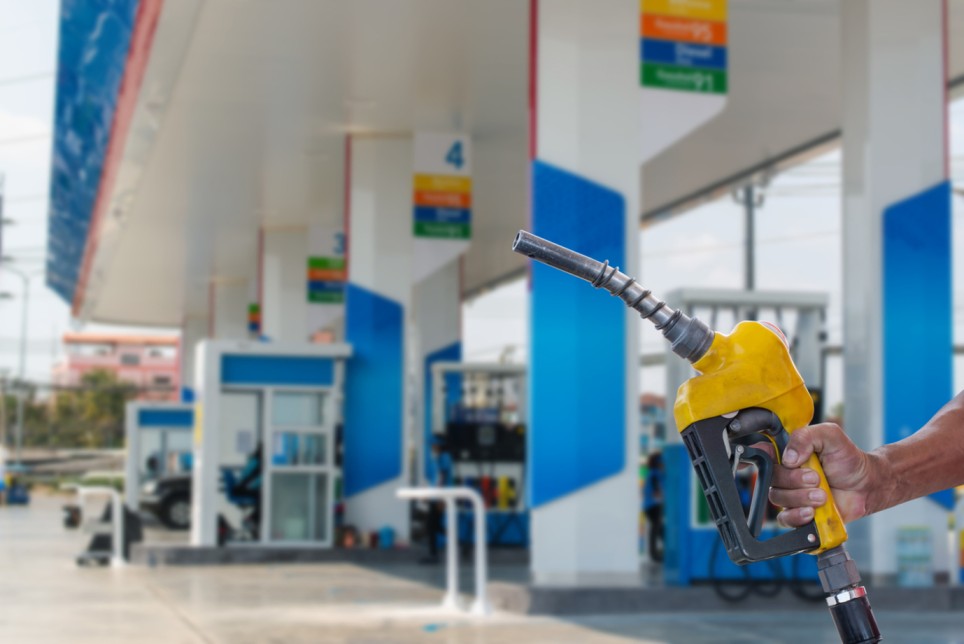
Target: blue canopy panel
x,y
95,36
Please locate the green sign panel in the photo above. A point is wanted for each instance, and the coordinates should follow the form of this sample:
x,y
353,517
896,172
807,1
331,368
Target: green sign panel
x,y
688,79
442,230
326,280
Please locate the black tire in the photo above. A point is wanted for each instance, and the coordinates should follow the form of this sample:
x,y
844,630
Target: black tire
x,y
175,511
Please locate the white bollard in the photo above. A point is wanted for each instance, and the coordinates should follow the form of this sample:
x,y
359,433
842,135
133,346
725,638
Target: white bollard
x,y
451,599
117,518
450,495
481,604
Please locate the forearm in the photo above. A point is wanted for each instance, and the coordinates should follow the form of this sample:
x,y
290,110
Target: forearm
x,y
930,460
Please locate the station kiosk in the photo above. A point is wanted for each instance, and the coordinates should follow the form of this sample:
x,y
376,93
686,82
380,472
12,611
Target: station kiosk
x,y
275,407
158,440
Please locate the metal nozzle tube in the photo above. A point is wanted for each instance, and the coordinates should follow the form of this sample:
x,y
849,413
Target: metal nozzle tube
x,y
690,338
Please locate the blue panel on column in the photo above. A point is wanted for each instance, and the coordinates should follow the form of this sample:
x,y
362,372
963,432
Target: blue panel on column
x,y
453,386
268,370
578,348
161,417
373,390
918,314
676,520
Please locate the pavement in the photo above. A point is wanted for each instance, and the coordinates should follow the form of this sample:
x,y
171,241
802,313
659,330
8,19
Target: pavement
x,y
45,597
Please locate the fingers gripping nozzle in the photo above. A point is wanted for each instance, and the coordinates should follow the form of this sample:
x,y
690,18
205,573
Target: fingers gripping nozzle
x,y
689,337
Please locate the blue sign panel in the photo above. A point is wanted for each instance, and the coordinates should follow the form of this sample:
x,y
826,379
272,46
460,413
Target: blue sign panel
x,y
374,325
578,432
918,314
270,370
443,215
683,54
91,61
160,417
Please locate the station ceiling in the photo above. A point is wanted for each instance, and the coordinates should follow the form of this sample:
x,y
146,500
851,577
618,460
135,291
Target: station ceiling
x,y
243,113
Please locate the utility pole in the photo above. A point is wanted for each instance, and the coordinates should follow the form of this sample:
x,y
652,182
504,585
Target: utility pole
x,y
749,241
22,365
3,415
2,181
21,371
3,378
751,198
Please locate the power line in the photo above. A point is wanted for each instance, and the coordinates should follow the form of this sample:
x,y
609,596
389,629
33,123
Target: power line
x,y
40,196
738,245
26,249
28,24
27,78
24,139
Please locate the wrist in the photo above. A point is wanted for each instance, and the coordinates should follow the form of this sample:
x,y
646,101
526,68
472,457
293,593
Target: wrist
x,y
881,481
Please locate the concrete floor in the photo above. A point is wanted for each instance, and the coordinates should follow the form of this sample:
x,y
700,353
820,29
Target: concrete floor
x,y
45,597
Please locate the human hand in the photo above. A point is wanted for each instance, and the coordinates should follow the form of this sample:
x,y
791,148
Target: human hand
x,y
850,471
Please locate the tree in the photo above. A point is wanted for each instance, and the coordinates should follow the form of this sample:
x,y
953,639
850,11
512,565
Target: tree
x,y
91,415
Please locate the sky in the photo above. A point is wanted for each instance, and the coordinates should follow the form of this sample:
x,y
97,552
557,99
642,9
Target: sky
x,y
28,44
798,227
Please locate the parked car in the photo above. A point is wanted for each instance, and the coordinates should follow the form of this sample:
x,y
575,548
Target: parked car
x,y
169,499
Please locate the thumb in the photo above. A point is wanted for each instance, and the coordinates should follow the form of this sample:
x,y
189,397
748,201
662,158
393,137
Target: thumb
x,y
819,439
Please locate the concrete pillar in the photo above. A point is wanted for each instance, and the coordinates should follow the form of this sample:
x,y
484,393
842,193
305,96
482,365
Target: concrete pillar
x,y
582,475
284,282
377,301
194,329
437,303
228,304
897,321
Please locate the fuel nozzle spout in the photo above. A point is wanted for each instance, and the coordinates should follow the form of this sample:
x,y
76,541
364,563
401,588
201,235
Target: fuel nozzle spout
x,y
690,338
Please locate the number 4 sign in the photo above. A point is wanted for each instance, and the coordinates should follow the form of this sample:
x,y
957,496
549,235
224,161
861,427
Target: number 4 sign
x,y
454,156
442,186
441,199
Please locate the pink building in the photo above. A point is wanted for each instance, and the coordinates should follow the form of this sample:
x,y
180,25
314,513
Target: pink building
x,y
150,363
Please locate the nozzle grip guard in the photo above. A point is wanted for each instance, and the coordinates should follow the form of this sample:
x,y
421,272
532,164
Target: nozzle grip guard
x,y
826,518
706,443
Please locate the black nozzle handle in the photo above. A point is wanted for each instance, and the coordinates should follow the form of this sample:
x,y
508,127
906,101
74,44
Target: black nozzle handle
x,y
689,337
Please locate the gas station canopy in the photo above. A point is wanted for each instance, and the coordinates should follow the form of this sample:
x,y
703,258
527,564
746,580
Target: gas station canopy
x,y
229,117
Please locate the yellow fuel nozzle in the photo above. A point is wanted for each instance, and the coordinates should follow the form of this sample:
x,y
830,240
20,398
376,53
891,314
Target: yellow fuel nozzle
x,y
748,390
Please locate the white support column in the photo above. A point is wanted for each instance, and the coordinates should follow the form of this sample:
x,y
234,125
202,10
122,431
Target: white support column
x,y
437,302
895,176
582,477
284,284
229,305
376,320
194,329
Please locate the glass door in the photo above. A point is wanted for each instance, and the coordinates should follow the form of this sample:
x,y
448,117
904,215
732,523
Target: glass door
x,y
150,462
300,468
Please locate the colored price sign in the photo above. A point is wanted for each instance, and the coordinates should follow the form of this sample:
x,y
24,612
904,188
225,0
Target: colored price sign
x,y
442,187
327,271
683,45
